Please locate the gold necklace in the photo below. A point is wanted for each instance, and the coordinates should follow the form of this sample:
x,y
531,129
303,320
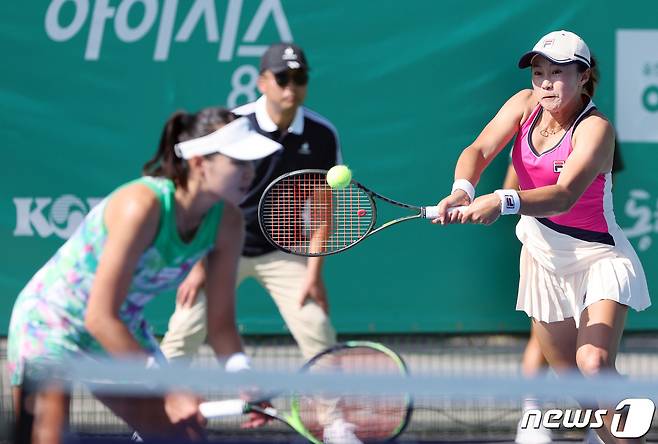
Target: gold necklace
x,y
549,131
546,132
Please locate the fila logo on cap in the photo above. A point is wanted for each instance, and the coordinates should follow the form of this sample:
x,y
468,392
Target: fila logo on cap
x,y
558,165
548,43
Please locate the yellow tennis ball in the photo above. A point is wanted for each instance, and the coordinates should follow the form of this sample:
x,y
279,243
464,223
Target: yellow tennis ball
x,y
339,176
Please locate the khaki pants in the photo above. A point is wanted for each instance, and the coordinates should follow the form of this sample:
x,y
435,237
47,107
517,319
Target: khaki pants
x,y
282,275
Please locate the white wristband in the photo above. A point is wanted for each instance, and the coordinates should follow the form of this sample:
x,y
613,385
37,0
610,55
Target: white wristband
x,y
237,362
510,203
465,186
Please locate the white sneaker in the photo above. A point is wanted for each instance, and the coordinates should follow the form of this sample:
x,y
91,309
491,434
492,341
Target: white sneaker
x,y
530,435
591,437
340,432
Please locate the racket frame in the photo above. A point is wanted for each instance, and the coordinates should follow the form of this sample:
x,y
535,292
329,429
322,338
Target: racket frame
x,y
402,366
218,409
370,230
294,419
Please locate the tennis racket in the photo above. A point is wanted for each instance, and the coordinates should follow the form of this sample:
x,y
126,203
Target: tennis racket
x,y
301,214
370,418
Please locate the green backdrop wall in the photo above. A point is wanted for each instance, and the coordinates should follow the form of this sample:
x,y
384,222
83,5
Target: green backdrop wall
x,y
87,84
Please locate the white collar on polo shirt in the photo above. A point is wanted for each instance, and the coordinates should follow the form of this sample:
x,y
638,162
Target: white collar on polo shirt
x,y
266,123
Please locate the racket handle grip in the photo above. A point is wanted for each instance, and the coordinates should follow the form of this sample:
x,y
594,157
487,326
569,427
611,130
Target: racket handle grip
x,y
432,212
217,409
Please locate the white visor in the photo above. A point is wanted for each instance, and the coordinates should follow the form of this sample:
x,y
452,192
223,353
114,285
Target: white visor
x,y
237,140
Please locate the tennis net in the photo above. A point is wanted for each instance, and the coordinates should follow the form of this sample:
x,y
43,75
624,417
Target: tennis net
x,y
464,388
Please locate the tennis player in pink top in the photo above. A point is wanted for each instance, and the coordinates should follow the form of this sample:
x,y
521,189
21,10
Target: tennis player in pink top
x,y
578,272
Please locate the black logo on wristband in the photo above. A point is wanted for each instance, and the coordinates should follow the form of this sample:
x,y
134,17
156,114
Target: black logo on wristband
x,y
509,201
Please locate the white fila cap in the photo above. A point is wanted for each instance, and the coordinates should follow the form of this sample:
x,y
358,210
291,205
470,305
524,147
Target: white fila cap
x,y
560,47
236,139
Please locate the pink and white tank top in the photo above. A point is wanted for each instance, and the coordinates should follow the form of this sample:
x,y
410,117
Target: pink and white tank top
x,y
592,217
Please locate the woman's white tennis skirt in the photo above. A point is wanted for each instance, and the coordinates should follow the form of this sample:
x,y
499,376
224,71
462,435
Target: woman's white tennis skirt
x,y
560,285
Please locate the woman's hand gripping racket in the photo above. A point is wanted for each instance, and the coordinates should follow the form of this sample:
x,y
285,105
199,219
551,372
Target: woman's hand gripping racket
x,y
301,214
339,419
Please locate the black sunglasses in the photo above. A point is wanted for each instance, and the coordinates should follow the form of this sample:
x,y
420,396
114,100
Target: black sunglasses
x,y
298,77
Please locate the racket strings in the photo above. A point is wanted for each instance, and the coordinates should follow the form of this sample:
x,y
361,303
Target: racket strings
x,y
373,417
302,214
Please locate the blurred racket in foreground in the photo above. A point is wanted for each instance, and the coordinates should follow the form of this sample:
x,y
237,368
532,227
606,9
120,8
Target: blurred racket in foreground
x,y
329,418
301,214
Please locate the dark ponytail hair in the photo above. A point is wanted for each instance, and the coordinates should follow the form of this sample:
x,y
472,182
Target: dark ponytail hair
x,y
180,127
590,87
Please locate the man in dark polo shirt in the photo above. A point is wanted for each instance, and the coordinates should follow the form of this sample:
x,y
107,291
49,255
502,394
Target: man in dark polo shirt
x,y
295,283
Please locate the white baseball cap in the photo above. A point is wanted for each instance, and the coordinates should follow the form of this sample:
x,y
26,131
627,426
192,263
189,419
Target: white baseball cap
x,y
236,139
560,47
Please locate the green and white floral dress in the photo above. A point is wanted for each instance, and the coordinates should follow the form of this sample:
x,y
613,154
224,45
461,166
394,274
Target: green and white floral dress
x,y
47,322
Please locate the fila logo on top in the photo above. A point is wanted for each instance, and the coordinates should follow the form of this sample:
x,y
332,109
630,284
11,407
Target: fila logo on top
x,y
558,165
